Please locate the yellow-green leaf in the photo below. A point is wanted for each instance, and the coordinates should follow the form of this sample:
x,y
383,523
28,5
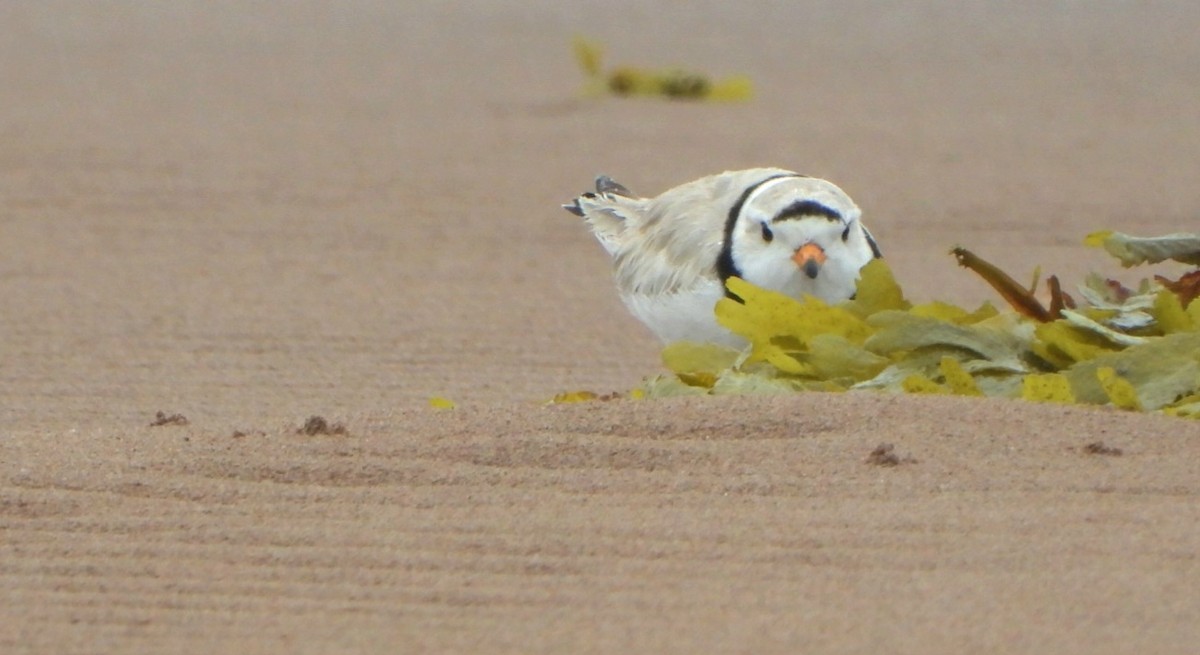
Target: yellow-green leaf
x,y
1097,239
957,378
1047,388
943,311
588,55
437,402
833,357
1170,315
917,383
1063,344
1188,407
766,315
667,386
1161,370
1120,392
733,89
899,332
877,291
690,357
735,383
573,397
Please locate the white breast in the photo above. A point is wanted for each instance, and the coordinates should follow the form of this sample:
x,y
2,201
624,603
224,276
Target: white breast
x,y
683,316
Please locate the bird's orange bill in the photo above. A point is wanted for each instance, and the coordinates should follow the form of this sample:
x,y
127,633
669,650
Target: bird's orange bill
x,y
809,258
809,252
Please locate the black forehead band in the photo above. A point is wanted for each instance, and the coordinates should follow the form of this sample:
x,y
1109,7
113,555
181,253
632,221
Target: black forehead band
x,y
805,208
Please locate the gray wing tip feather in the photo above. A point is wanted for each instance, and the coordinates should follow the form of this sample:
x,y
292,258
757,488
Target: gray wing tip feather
x,y
605,184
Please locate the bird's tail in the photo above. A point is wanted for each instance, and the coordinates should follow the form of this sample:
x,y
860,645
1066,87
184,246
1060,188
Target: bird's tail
x,y
609,210
605,186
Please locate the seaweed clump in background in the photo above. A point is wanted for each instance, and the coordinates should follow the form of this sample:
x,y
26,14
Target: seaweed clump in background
x,y
667,83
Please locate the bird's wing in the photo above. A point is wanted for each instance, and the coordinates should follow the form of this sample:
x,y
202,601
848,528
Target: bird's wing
x,y
674,247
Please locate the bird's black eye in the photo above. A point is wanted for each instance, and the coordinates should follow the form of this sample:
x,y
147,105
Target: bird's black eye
x,y
767,234
846,234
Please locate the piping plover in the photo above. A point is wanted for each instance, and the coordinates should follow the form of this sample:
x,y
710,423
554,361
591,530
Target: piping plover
x,y
772,227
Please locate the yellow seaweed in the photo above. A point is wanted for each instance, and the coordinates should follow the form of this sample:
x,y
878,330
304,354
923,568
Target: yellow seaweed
x,y
1170,315
877,291
574,397
764,316
1120,392
957,378
1133,348
917,383
1047,388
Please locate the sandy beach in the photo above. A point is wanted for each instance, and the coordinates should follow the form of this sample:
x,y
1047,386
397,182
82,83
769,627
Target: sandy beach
x,y
221,220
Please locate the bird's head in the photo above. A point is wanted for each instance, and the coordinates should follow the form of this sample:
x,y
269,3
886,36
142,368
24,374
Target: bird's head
x,y
800,235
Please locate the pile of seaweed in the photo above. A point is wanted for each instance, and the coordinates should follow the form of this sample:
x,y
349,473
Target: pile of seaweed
x,y
1132,348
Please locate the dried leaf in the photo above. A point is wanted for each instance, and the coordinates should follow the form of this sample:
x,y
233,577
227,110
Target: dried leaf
x,y
1187,287
1018,297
